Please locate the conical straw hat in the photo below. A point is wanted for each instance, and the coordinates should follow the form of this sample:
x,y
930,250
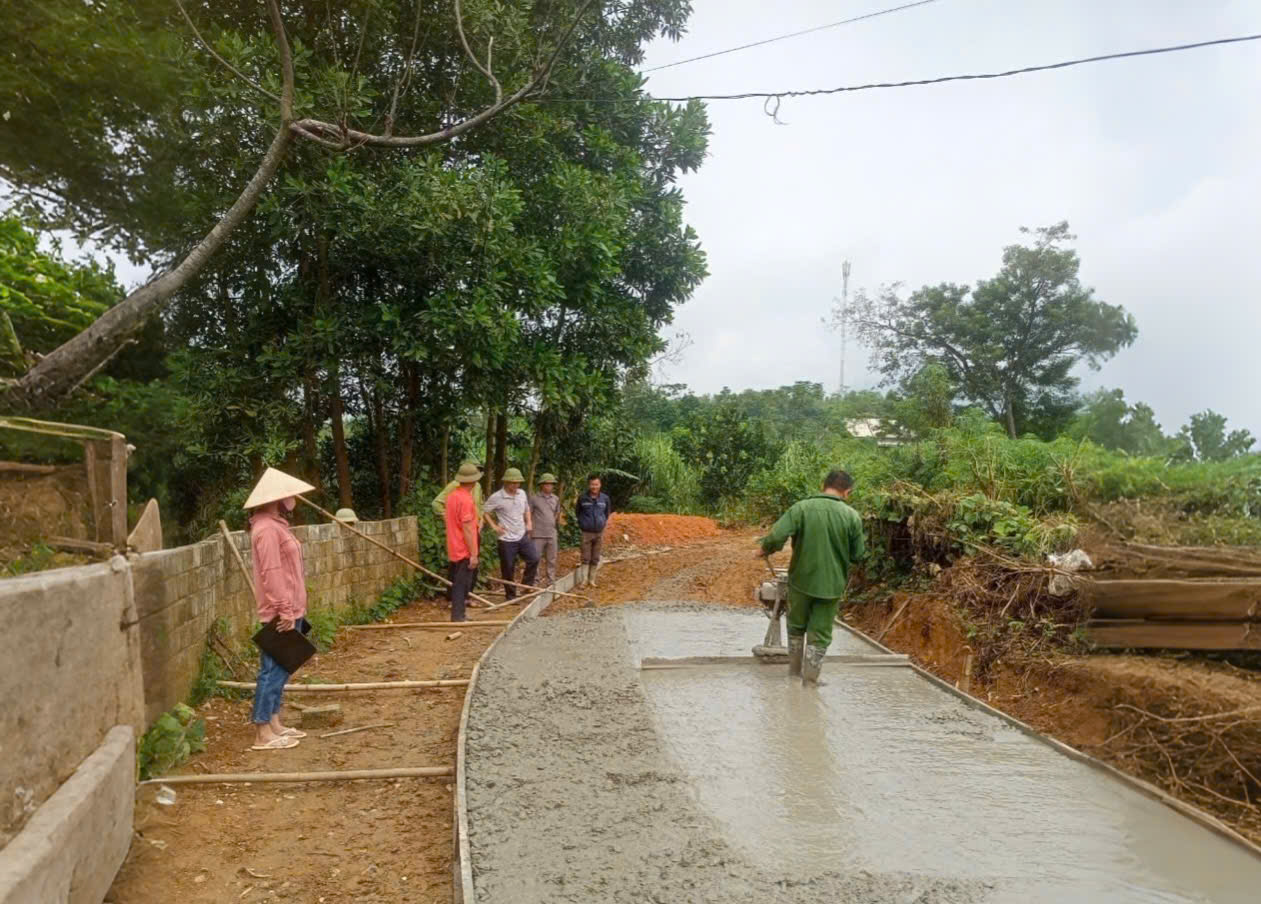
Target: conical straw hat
x,y
274,485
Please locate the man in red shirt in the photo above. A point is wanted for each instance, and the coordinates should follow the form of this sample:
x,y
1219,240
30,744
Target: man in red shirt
x,y
462,547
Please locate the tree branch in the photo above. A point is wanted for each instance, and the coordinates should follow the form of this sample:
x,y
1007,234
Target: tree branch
x,y
405,76
286,64
237,72
57,374
331,135
485,70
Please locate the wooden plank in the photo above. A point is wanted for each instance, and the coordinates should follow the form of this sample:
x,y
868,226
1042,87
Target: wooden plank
x,y
146,536
52,428
649,663
1236,598
1138,559
21,467
70,544
94,488
118,491
1116,634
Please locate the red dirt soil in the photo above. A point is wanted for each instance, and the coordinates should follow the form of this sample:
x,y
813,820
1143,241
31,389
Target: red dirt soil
x,y
626,529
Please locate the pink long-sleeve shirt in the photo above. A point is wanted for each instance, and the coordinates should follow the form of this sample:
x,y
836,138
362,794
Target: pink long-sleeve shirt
x,y
279,577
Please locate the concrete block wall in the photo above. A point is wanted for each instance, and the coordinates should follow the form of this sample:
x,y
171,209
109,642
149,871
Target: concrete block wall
x,y
181,592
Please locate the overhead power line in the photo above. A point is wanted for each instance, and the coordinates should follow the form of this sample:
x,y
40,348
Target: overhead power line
x,y
794,34
813,92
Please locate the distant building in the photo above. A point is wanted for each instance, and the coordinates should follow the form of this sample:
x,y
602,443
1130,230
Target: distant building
x,y
884,433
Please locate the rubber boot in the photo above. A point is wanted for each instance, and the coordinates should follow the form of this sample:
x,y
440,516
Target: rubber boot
x,y
591,570
581,579
795,647
812,665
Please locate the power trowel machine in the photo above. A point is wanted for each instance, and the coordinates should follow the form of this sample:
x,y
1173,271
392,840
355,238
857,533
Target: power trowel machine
x,y
773,595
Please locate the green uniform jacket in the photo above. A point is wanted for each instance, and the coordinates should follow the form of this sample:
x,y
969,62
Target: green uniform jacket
x,y
440,501
827,539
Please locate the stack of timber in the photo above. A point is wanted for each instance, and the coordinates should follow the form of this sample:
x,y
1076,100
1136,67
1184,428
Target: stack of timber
x,y
1193,598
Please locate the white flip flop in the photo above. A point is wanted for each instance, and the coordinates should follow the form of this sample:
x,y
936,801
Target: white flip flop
x,y
284,742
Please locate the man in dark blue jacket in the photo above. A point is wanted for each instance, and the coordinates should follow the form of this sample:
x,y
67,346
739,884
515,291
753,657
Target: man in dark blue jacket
x,y
593,511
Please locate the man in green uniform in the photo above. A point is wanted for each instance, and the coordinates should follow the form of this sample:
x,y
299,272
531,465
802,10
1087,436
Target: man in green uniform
x,y
827,539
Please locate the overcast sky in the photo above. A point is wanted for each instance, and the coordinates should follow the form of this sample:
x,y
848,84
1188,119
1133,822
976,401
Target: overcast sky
x,y
1155,162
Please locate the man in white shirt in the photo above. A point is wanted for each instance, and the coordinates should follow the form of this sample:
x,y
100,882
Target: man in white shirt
x,y
511,520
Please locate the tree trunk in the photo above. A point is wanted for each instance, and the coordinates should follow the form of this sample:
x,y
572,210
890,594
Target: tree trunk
x,y
337,411
407,442
488,466
57,374
383,457
446,455
310,444
501,446
537,449
1011,419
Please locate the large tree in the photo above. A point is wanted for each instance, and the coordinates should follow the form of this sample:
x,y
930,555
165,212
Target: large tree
x,y
1012,342
97,124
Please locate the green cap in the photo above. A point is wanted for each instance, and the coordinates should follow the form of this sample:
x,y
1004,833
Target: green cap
x,y
347,515
548,477
513,475
469,473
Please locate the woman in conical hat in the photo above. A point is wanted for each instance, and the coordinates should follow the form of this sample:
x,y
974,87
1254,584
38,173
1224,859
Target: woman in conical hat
x,y
280,591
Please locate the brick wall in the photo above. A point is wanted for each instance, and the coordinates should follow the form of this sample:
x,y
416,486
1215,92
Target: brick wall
x,y
181,592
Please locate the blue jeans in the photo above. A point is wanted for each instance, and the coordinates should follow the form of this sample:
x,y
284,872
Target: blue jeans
x,y
271,684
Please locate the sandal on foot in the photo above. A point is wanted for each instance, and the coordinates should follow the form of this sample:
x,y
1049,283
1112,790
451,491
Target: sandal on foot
x,y
292,733
284,742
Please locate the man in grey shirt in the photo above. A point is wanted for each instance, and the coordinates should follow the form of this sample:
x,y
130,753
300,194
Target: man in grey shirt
x,y
545,512
512,509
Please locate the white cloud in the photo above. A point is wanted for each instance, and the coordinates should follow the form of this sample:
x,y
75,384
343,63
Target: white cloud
x,y
1155,162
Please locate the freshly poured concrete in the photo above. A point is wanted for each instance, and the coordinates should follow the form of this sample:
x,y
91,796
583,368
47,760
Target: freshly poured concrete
x,y
591,781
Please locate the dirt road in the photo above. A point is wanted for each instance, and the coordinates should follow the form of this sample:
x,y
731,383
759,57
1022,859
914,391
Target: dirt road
x,y
378,842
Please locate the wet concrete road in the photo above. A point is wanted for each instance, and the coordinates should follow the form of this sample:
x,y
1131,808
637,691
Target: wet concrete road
x,y
879,768
593,781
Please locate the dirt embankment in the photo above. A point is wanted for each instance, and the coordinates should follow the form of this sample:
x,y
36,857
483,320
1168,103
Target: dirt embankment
x,y
1188,725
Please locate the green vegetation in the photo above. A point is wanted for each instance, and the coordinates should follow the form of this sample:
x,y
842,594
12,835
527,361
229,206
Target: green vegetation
x,y
174,737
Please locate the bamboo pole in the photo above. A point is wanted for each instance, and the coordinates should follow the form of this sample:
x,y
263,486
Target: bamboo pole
x,y
361,686
346,731
347,775
398,555
487,623
533,590
240,560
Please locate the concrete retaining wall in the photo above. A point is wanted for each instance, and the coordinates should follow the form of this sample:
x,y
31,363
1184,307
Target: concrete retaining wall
x,y
71,849
70,672
181,592
93,655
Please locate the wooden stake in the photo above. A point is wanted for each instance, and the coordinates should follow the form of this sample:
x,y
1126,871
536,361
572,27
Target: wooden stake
x,y
361,686
893,621
398,555
240,560
348,775
446,625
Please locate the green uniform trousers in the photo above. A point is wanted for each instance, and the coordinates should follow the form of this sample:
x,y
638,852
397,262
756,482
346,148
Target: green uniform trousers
x,y
812,616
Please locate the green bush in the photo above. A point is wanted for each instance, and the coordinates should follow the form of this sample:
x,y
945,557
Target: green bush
x,y
174,737
646,505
